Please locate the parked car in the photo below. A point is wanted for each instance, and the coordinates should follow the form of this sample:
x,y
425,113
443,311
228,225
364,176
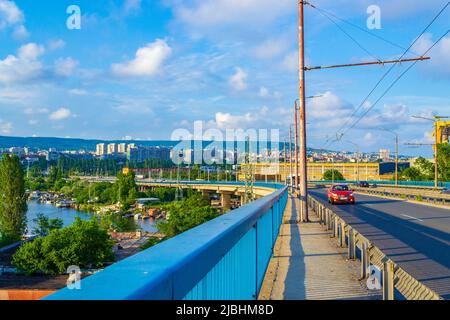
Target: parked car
x,y
363,184
445,191
341,193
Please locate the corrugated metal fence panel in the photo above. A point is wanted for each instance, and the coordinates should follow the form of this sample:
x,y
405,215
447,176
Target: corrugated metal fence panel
x,y
233,278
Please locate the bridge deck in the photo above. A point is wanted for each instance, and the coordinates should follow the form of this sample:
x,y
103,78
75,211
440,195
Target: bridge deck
x,y
307,264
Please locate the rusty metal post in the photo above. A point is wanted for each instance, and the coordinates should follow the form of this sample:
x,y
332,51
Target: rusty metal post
x,y
388,280
302,107
351,244
296,147
364,259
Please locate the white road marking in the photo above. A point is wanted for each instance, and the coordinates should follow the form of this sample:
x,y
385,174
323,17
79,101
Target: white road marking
x,y
405,215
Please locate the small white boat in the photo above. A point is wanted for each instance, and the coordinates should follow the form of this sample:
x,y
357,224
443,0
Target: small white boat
x,y
137,216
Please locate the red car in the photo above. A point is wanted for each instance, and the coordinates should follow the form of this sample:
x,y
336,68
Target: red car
x,y
340,193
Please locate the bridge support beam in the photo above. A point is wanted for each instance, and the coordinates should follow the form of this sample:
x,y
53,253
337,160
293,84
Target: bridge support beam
x,y
225,200
206,194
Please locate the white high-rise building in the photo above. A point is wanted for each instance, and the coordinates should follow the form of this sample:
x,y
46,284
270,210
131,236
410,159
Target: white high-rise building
x,y
122,148
101,149
112,148
385,154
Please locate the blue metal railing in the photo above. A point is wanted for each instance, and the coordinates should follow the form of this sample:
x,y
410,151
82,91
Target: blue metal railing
x,y
225,258
386,182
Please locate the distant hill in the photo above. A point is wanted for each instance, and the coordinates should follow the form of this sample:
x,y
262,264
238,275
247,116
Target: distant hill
x,y
62,144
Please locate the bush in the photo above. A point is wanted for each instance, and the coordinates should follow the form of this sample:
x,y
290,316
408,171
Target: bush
x,y
84,244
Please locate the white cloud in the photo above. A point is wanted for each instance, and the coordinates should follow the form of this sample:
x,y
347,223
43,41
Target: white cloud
x,y
290,62
328,106
31,111
56,44
10,14
263,92
20,32
65,66
207,13
60,114
78,92
271,48
238,79
440,54
5,127
255,119
131,6
30,51
23,67
147,62
266,93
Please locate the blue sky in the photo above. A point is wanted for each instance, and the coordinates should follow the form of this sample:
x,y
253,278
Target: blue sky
x,y
141,69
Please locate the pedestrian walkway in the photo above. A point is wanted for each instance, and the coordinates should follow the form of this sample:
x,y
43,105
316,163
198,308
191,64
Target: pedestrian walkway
x,y
308,265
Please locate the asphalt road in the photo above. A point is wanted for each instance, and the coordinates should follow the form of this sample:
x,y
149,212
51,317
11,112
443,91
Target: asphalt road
x,y
415,236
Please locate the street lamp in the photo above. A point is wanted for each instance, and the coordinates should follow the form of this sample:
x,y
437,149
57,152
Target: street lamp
x,y
396,152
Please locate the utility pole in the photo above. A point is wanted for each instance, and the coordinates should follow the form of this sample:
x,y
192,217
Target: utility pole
x,y
396,153
296,147
290,156
285,160
302,109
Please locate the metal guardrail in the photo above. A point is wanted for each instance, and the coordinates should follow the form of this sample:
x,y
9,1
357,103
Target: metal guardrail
x,y
429,196
393,276
225,258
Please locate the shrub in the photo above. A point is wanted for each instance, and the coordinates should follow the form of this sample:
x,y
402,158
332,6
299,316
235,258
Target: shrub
x,y
84,244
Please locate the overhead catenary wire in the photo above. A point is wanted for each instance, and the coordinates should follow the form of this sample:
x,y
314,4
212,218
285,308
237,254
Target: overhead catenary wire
x,y
393,84
356,26
349,36
387,73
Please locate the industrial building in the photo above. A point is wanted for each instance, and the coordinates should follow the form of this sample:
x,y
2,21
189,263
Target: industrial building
x,y
350,171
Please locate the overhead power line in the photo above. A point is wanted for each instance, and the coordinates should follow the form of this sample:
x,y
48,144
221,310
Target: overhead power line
x,y
356,26
393,84
390,70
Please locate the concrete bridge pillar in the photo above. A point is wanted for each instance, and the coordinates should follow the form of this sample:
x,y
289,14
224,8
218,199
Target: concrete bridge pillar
x,y
206,194
225,200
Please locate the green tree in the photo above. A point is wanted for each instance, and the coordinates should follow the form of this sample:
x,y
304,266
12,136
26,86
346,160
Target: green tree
x,y
46,225
425,167
84,244
411,174
444,161
117,223
186,214
13,202
126,189
333,175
